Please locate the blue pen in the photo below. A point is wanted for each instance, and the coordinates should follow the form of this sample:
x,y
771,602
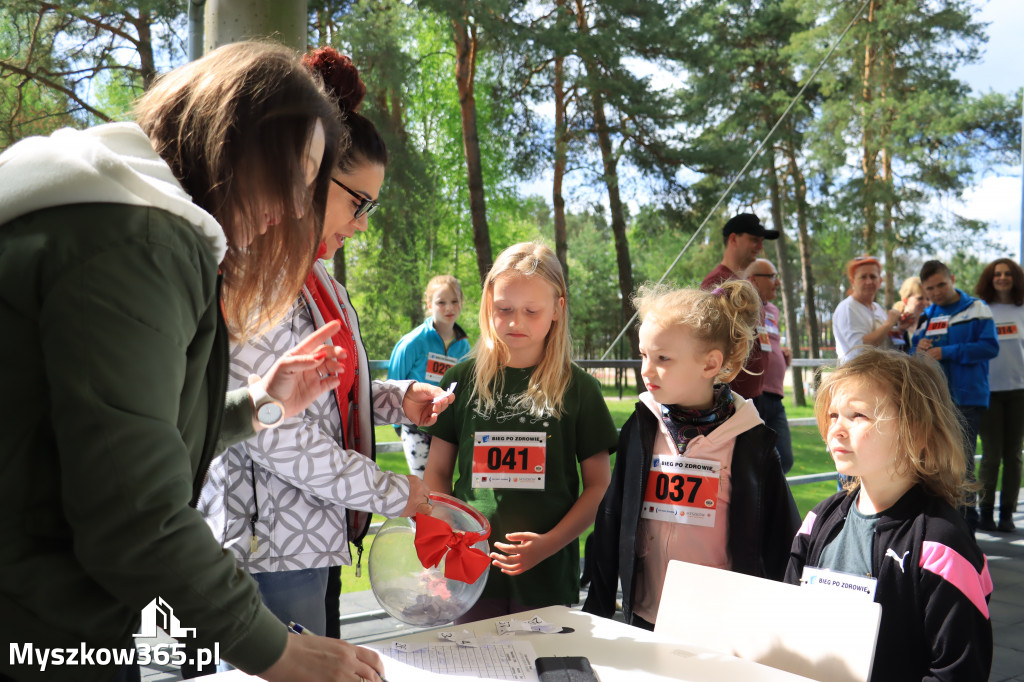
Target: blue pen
x,y
300,630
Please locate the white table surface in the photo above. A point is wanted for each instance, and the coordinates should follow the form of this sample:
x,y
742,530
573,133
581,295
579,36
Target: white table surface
x,y
617,652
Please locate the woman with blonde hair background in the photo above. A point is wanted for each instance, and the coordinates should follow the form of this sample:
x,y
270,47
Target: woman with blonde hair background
x,y
910,306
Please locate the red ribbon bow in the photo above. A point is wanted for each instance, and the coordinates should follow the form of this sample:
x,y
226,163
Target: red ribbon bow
x,y
435,539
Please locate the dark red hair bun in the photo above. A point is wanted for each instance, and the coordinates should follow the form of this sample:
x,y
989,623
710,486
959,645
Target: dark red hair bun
x,y
340,75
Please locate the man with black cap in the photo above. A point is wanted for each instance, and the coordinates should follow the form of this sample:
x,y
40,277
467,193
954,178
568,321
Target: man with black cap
x,y
744,237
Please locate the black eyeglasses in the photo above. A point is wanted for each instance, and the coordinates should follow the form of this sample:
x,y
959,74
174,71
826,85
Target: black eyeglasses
x,y
366,206
772,276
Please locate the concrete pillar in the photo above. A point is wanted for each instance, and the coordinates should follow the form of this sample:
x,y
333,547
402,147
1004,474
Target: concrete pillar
x,y
229,21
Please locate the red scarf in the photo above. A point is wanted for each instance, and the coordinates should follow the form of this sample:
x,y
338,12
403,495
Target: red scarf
x,y
348,389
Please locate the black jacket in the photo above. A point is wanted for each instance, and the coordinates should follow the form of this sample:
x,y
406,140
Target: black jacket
x,y
933,585
762,515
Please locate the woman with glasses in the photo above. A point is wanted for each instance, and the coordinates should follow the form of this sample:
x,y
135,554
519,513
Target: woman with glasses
x,y
858,321
287,505
1001,285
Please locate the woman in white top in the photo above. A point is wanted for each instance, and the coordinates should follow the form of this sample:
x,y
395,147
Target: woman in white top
x,y
1001,285
859,321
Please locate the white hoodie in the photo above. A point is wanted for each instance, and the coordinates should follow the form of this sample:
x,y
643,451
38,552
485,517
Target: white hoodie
x,y
112,163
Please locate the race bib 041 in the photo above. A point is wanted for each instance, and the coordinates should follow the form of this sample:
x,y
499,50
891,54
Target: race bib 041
x,y
509,459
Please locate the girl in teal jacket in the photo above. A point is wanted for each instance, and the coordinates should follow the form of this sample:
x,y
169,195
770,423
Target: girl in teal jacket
x,y
426,353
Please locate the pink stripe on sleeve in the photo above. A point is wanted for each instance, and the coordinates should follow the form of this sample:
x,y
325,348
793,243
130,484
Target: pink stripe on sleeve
x,y
952,567
808,524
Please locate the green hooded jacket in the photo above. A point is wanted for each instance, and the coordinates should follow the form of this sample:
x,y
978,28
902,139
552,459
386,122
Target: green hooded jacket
x,y
114,358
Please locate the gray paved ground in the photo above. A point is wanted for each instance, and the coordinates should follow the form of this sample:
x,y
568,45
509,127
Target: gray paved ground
x,y
1006,563
363,621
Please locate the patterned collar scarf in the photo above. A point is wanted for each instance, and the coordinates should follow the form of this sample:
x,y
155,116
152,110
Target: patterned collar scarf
x,y
684,424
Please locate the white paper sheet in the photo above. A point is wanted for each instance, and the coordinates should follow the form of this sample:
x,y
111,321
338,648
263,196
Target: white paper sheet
x,y
445,661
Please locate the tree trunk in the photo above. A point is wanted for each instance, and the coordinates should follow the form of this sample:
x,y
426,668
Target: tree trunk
x,y
868,153
888,235
147,64
465,71
561,159
785,275
611,179
888,238
806,270
625,263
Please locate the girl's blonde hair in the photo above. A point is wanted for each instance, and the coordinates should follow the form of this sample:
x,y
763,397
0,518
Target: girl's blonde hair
x,y
929,435
550,378
911,287
438,283
724,319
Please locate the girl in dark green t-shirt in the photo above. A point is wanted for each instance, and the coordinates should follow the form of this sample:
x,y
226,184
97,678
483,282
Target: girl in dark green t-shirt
x,y
523,417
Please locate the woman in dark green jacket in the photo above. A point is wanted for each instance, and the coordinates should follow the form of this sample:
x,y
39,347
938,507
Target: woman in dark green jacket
x,y
114,244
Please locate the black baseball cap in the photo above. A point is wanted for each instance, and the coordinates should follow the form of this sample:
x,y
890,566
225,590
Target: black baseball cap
x,y
748,223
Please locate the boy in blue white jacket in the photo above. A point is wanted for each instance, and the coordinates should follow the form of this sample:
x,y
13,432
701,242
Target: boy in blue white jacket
x,y
959,332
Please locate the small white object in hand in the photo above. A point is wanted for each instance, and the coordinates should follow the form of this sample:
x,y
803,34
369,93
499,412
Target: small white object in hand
x,y
451,389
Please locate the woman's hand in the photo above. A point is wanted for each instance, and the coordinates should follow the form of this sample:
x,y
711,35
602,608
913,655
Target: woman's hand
x,y
419,497
530,549
322,659
306,371
423,402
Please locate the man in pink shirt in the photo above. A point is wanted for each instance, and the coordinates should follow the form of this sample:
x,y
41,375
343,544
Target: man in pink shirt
x,y
744,237
769,404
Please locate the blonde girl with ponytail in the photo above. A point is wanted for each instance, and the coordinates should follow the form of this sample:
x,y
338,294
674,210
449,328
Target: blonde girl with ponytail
x,y
697,477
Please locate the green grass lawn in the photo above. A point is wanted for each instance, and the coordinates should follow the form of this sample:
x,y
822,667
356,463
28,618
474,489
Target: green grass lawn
x,y
809,457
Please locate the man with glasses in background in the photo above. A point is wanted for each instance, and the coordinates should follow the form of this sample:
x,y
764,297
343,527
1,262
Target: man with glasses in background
x,y
769,404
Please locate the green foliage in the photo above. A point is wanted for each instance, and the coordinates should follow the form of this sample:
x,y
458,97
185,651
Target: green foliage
x,y
595,311
891,96
27,107
116,92
423,227
688,90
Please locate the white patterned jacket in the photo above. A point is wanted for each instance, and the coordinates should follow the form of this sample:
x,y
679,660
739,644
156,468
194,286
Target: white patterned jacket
x,y
292,485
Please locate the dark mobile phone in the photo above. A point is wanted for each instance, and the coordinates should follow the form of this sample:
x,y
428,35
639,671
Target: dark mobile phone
x,y
564,669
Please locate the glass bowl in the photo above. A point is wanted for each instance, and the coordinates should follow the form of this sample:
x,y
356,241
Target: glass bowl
x,y
404,588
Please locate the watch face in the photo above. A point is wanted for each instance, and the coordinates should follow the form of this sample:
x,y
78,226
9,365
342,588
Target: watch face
x,y
269,414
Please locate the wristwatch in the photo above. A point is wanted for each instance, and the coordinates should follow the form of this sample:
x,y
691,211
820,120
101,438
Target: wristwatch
x,y
269,410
